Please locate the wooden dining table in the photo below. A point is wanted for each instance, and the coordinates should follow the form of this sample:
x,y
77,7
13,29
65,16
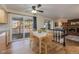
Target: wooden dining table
x,y
40,35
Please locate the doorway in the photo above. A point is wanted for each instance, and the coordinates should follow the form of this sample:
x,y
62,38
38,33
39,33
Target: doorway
x,y
20,27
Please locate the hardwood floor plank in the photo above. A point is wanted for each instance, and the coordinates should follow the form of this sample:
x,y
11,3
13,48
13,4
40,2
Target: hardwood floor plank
x,y
23,47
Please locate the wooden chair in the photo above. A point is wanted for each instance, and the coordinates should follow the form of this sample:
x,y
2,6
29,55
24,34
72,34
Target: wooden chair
x,y
31,37
34,43
47,43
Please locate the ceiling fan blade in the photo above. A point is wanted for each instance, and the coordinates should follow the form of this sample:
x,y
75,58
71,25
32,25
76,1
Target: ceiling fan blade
x,y
40,11
39,5
33,7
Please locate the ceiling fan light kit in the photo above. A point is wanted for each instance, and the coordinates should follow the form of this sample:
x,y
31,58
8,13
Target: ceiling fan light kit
x,y
34,11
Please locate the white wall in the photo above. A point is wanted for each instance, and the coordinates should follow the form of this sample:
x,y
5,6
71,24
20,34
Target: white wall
x,y
52,24
60,20
41,20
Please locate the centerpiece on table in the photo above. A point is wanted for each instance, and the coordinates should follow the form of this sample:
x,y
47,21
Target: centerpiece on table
x,y
42,30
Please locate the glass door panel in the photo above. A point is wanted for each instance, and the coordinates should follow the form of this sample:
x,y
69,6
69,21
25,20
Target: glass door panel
x,y
28,26
17,29
20,27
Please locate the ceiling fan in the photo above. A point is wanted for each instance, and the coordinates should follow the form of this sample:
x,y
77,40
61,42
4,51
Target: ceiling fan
x,y
35,9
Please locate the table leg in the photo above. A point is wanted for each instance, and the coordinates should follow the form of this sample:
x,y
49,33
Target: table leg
x,y
39,46
45,49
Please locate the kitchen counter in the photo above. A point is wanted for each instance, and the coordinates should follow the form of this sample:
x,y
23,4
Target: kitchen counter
x,y
4,37
4,28
2,33
3,41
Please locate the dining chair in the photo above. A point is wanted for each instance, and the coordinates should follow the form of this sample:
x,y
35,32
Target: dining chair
x,y
48,43
34,42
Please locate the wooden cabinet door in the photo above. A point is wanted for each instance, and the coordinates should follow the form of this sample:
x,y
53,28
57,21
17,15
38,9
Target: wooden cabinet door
x,y
3,16
2,41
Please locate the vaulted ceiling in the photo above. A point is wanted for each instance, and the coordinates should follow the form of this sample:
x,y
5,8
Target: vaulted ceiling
x,y
50,10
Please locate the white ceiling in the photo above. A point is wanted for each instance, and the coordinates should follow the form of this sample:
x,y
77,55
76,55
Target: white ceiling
x,y
50,10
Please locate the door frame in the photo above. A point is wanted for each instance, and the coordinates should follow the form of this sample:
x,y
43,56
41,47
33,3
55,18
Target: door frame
x,y
10,15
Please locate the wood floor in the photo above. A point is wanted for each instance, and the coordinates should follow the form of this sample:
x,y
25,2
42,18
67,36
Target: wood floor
x,y
19,47
22,47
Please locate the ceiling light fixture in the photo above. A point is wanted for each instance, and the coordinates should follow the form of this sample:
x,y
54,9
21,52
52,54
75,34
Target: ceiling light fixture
x,y
34,11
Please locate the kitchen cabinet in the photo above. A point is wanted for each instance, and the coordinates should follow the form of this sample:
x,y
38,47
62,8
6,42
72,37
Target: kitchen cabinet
x,y
3,42
3,16
7,38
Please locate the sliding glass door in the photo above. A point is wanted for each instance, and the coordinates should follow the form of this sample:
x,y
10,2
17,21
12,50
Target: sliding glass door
x,y
21,26
17,28
28,25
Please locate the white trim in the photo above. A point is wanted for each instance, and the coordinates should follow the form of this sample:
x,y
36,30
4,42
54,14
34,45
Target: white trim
x,y
26,14
10,26
4,7
21,13
23,27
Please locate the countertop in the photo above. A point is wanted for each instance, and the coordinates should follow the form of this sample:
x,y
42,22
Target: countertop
x,y
3,33
4,28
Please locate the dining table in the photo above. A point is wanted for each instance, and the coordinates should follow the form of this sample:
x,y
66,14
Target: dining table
x,y
40,35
